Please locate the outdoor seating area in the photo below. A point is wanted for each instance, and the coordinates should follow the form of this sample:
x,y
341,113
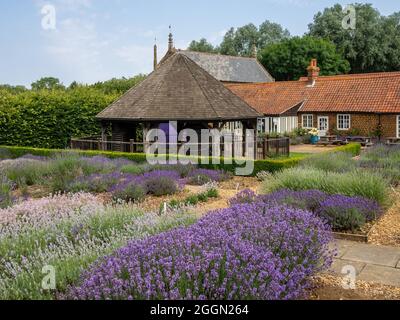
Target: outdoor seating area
x,y
331,140
393,141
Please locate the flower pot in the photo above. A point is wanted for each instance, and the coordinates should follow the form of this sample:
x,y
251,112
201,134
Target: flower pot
x,y
314,139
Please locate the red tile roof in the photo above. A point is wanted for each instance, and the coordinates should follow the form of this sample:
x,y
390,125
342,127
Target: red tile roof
x,y
371,93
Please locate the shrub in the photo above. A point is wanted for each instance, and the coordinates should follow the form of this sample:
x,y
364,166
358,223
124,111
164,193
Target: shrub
x,y
348,213
306,200
244,196
25,171
385,160
130,193
250,251
68,232
160,183
6,187
135,169
343,213
269,165
331,161
355,183
5,154
98,182
202,176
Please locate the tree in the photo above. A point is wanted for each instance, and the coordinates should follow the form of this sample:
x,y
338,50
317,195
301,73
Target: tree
x,y
118,86
228,44
201,46
240,41
288,59
47,83
270,32
13,89
372,46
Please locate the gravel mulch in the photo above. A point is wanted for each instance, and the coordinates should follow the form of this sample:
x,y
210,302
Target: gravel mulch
x,y
387,230
328,287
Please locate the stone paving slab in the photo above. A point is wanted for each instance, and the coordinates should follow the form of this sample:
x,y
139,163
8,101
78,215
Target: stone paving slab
x,y
339,264
377,255
384,275
379,264
342,246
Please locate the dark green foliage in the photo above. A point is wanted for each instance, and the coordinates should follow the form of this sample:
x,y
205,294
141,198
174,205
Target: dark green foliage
x,y
49,119
289,59
195,199
49,115
202,46
47,83
374,45
240,41
131,193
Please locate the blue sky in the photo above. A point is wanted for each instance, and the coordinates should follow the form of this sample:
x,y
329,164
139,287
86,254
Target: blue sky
x,y
96,40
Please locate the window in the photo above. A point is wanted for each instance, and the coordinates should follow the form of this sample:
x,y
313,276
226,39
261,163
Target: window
x,y
398,126
343,122
308,121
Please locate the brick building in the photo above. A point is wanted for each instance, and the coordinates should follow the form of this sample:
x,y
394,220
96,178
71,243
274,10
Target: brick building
x,y
357,104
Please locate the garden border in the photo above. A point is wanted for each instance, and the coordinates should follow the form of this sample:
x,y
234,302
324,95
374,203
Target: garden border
x,y
270,165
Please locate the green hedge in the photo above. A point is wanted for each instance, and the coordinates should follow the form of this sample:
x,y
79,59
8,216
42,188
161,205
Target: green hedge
x,y
49,118
353,148
270,165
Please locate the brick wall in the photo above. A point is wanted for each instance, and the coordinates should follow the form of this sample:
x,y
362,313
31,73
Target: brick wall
x,y
364,123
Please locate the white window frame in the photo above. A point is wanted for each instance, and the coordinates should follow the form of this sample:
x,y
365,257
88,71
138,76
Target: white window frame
x,y
338,122
312,121
398,126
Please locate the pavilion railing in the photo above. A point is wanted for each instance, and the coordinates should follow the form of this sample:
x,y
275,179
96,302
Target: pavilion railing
x,y
265,147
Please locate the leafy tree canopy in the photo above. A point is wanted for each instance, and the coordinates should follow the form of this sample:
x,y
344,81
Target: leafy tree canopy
x,y
13,89
374,44
240,41
202,46
288,59
47,83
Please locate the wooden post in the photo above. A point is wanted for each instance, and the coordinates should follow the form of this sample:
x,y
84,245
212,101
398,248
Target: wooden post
x,y
132,145
103,137
265,146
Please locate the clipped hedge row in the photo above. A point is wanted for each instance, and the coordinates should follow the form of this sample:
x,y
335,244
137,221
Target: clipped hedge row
x,y
270,165
48,119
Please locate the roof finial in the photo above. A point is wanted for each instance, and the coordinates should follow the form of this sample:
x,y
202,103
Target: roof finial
x,y
155,62
170,40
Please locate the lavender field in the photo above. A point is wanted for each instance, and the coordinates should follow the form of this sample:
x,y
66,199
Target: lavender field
x,y
83,217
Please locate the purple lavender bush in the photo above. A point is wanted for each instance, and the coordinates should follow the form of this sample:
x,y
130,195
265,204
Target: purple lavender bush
x,y
343,213
244,196
307,200
249,251
157,183
348,213
160,182
97,182
203,176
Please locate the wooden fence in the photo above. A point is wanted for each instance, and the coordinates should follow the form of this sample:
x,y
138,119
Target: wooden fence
x,y
266,147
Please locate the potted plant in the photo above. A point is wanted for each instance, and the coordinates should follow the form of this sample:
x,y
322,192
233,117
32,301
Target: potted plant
x,y
314,133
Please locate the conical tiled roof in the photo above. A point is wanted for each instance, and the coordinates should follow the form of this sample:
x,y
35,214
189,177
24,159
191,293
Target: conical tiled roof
x,y
179,90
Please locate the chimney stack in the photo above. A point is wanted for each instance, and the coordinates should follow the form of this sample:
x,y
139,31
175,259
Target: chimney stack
x,y
313,71
155,62
254,50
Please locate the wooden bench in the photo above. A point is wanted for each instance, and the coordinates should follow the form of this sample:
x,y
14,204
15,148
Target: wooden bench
x,y
364,141
331,140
